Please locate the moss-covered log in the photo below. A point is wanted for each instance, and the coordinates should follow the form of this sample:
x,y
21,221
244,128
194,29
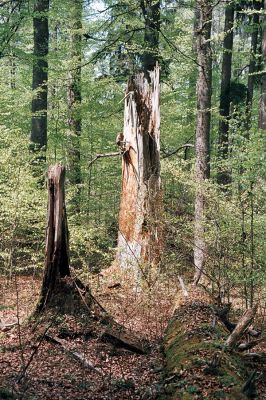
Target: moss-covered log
x,y
197,366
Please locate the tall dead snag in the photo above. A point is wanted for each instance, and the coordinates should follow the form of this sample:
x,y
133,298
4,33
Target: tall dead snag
x,y
140,237
58,288
202,167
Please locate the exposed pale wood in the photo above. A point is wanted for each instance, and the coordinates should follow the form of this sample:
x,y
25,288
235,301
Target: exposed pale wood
x,y
140,227
250,345
85,362
241,327
223,314
183,287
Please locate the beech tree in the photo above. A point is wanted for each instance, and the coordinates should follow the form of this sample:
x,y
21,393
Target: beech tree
x,y
223,177
253,62
204,90
74,97
40,75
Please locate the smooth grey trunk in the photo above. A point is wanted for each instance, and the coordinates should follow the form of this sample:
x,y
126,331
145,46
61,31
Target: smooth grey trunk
x,y
253,64
140,234
202,167
223,177
40,76
74,98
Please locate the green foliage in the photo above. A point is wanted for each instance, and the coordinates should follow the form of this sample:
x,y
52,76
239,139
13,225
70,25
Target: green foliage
x,y
112,46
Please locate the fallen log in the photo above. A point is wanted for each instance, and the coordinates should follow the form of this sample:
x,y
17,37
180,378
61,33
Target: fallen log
x,y
121,337
254,357
84,361
241,327
195,359
249,345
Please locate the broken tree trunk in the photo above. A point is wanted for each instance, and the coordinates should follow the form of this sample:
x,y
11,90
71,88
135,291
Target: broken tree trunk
x,y
194,359
240,328
58,288
140,233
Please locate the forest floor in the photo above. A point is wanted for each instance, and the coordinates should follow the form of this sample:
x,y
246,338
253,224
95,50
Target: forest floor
x,y
34,368
53,374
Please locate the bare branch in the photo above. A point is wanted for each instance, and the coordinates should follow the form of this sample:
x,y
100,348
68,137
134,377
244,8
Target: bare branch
x,y
104,155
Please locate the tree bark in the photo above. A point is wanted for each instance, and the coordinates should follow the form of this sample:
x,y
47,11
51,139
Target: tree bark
x,y
40,76
253,62
140,233
74,100
58,288
262,117
223,177
202,167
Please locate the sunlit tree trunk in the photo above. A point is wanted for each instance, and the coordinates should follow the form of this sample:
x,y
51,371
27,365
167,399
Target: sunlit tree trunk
x,y
140,231
202,168
223,177
140,238
262,119
253,63
74,100
40,75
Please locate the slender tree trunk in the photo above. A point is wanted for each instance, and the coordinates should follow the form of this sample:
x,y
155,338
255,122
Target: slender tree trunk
x,y
151,14
40,75
223,177
140,234
202,167
253,61
74,100
262,117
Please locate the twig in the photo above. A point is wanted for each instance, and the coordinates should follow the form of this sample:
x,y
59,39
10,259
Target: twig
x,y
183,287
166,155
34,352
77,356
103,156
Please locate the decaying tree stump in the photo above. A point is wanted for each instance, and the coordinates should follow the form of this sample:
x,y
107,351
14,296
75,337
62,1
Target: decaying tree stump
x,y
69,295
140,232
58,288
